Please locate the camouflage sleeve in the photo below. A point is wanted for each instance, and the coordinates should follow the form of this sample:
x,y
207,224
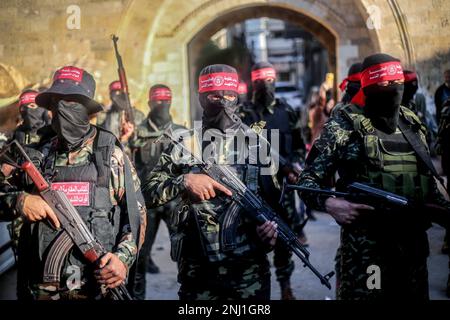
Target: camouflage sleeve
x,y
126,249
322,161
165,182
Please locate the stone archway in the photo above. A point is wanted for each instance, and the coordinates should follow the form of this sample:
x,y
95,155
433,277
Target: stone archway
x,y
163,56
323,33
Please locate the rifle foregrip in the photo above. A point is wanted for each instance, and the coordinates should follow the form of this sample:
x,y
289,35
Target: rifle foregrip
x,y
35,175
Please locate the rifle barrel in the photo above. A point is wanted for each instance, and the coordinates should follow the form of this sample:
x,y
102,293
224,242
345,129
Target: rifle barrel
x,y
326,192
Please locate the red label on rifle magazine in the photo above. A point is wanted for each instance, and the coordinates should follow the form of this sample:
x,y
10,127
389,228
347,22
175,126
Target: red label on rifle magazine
x,y
77,192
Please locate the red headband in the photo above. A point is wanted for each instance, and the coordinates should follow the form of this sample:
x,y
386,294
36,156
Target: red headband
x,y
356,77
263,74
409,77
115,85
70,73
218,81
160,94
27,97
387,71
242,88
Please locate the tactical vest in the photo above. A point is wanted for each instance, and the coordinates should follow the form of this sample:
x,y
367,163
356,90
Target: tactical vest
x,y
88,188
391,162
218,225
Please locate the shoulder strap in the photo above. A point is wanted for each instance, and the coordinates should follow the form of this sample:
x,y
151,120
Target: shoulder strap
x,y
419,147
103,149
361,124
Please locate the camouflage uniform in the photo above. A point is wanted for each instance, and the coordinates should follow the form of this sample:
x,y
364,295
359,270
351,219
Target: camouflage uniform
x,y
147,154
292,148
125,247
350,145
209,266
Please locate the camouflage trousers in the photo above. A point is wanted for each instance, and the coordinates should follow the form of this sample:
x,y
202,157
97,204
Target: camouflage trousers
x,y
154,217
234,280
397,264
282,258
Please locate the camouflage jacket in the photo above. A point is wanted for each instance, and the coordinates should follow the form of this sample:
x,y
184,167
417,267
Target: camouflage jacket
x,y
202,221
340,149
126,248
147,153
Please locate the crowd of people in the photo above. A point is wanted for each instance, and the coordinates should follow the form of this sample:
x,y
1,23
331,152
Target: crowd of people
x,y
377,134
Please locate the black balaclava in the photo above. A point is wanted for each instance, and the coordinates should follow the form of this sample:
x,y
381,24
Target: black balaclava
x,y
352,87
263,91
118,99
410,88
71,123
159,109
382,104
34,118
219,114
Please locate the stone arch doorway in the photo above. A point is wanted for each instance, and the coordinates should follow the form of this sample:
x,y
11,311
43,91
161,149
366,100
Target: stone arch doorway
x,y
172,25
323,33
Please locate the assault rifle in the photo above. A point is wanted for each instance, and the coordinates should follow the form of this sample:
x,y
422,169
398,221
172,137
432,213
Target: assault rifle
x,y
129,114
357,192
75,231
255,208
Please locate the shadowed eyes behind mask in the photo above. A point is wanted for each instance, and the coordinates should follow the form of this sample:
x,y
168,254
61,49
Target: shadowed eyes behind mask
x,y
160,113
71,123
33,118
383,106
118,101
219,114
264,93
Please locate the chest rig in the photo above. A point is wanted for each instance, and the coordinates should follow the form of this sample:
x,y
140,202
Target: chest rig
x,y
87,185
391,163
219,221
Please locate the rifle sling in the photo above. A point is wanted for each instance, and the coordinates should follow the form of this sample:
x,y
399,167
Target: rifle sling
x,y
419,148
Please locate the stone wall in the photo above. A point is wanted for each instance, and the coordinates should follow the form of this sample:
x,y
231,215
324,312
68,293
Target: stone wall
x,y
154,36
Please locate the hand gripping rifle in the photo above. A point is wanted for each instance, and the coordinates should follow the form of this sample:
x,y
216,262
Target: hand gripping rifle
x,y
75,231
129,114
254,207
